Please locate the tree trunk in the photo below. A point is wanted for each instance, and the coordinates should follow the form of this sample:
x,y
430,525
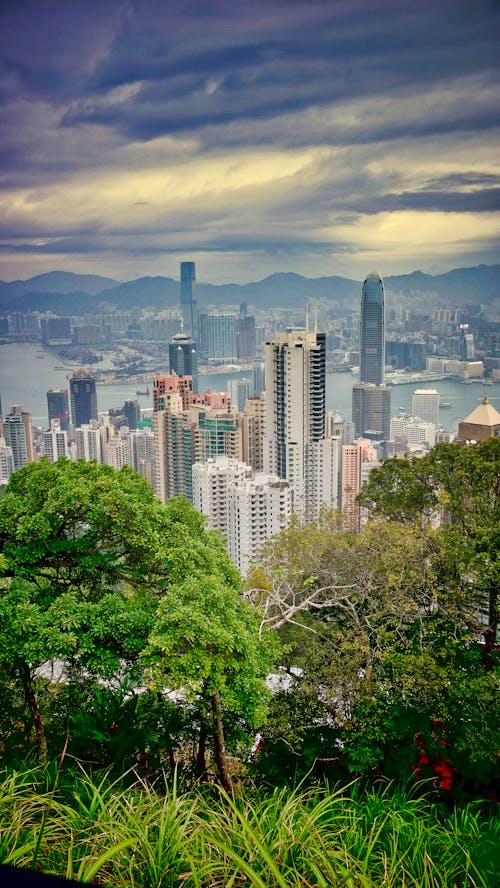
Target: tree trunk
x,y
32,704
201,761
220,751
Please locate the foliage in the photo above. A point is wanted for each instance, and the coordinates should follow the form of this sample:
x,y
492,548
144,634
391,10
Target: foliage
x,y
95,830
383,655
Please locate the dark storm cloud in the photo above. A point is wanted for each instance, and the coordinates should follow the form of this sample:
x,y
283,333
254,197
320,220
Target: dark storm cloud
x,y
121,120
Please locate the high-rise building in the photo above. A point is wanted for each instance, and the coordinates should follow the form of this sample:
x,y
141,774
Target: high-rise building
x,y
183,358
240,390
18,433
55,442
247,508
58,407
371,400
425,404
189,306
246,337
253,427
222,338
371,411
372,331
6,461
296,447
132,413
353,458
88,442
83,397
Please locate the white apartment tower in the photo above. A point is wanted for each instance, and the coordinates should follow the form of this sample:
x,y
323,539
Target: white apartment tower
x,y
55,442
248,508
296,448
88,442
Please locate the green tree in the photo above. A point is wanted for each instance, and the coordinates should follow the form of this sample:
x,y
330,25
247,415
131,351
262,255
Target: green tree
x,y
383,655
457,487
205,644
75,574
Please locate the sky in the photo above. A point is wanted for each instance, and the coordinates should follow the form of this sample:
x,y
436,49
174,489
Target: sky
x,y
323,137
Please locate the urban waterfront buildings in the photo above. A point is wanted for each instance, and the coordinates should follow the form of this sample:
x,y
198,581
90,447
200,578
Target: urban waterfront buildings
x,y
296,447
83,397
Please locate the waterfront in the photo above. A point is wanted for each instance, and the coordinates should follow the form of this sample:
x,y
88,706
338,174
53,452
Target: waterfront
x,y
26,378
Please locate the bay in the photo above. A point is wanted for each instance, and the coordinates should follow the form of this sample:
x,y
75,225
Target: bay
x,y
25,378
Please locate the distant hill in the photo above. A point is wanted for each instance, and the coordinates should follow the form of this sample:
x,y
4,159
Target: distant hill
x,y
67,293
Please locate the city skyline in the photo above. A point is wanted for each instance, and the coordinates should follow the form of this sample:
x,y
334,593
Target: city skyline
x,y
322,138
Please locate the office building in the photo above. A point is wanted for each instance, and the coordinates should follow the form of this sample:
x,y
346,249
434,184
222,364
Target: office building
x,y
246,335
132,413
58,407
18,434
371,399
371,411
425,404
55,442
189,307
83,391
247,508
259,379
296,448
372,331
222,338
183,358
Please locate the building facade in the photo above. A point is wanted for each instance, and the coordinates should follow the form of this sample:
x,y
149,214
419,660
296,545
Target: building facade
x,y
189,307
83,397
296,447
58,407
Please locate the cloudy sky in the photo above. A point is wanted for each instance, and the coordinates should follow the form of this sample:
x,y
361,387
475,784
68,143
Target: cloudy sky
x,y
322,137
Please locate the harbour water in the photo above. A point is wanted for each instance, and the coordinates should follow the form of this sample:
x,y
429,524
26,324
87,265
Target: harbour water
x,y
26,376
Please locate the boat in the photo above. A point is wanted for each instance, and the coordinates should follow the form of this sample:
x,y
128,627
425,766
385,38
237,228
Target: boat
x,y
39,355
145,392
444,404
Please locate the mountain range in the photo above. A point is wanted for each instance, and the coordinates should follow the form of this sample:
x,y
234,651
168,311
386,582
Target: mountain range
x,y
68,293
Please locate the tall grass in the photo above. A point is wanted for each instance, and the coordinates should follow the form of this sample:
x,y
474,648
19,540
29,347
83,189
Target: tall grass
x,y
94,829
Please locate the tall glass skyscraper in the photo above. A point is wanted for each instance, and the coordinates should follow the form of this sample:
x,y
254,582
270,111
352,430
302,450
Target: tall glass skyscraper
x,y
183,358
372,331
189,307
371,399
83,390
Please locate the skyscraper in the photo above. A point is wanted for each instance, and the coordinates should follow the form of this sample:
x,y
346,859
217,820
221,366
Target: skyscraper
x,y
83,397
18,434
58,407
183,358
188,299
295,444
425,404
372,331
371,399
222,338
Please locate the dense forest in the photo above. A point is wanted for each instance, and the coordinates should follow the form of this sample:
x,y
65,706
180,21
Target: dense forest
x,y
331,721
